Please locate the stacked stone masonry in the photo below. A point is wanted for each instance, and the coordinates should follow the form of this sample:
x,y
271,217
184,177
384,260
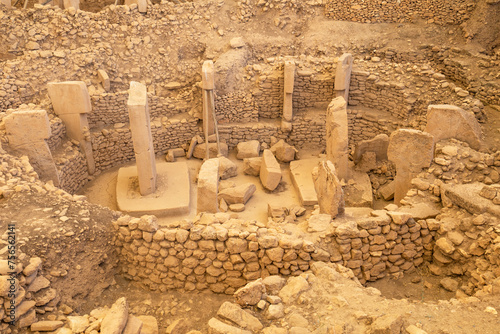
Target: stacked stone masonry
x,y
394,11
223,256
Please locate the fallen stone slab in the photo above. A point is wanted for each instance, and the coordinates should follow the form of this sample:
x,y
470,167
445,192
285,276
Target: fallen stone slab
x,y
248,149
240,194
284,152
270,171
215,326
227,168
46,326
251,166
200,150
467,196
236,314
134,325
388,324
115,321
302,180
149,324
387,190
359,193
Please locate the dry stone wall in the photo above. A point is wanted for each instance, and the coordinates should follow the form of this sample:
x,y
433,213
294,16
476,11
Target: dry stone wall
x,y
111,108
223,254
113,146
393,11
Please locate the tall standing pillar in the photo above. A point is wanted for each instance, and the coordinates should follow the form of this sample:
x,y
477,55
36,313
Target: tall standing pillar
x,y
208,97
410,150
27,131
71,102
140,127
289,80
336,136
343,76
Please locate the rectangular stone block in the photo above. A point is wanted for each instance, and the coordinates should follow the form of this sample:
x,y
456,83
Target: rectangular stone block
x,y
270,171
146,170
208,75
208,186
337,137
104,79
69,97
25,126
289,76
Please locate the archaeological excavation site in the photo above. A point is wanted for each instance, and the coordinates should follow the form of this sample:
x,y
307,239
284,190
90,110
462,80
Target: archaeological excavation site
x,y
251,166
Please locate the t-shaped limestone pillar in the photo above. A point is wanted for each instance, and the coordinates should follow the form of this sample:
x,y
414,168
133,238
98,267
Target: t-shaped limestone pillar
x,y
140,127
289,81
207,75
336,136
343,76
71,102
27,131
410,150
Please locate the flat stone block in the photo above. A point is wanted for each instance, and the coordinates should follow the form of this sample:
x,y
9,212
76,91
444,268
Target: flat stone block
x,y
302,180
69,97
25,126
270,171
170,198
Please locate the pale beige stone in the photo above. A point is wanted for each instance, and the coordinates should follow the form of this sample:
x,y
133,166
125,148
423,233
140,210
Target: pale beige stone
x,y
289,79
239,194
116,319
328,189
410,150
208,186
270,171
336,136
140,127
448,121
26,131
343,76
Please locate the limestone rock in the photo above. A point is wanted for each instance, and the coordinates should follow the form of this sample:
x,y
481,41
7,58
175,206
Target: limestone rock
x,y
240,194
410,150
216,326
449,284
251,293
275,311
248,149
251,166
377,145
293,288
149,324
208,186
273,284
448,121
240,317
270,171
283,151
336,136
179,326
134,325
114,322
200,150
79,324
388,324
227,168
319,223
328,188
46,326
